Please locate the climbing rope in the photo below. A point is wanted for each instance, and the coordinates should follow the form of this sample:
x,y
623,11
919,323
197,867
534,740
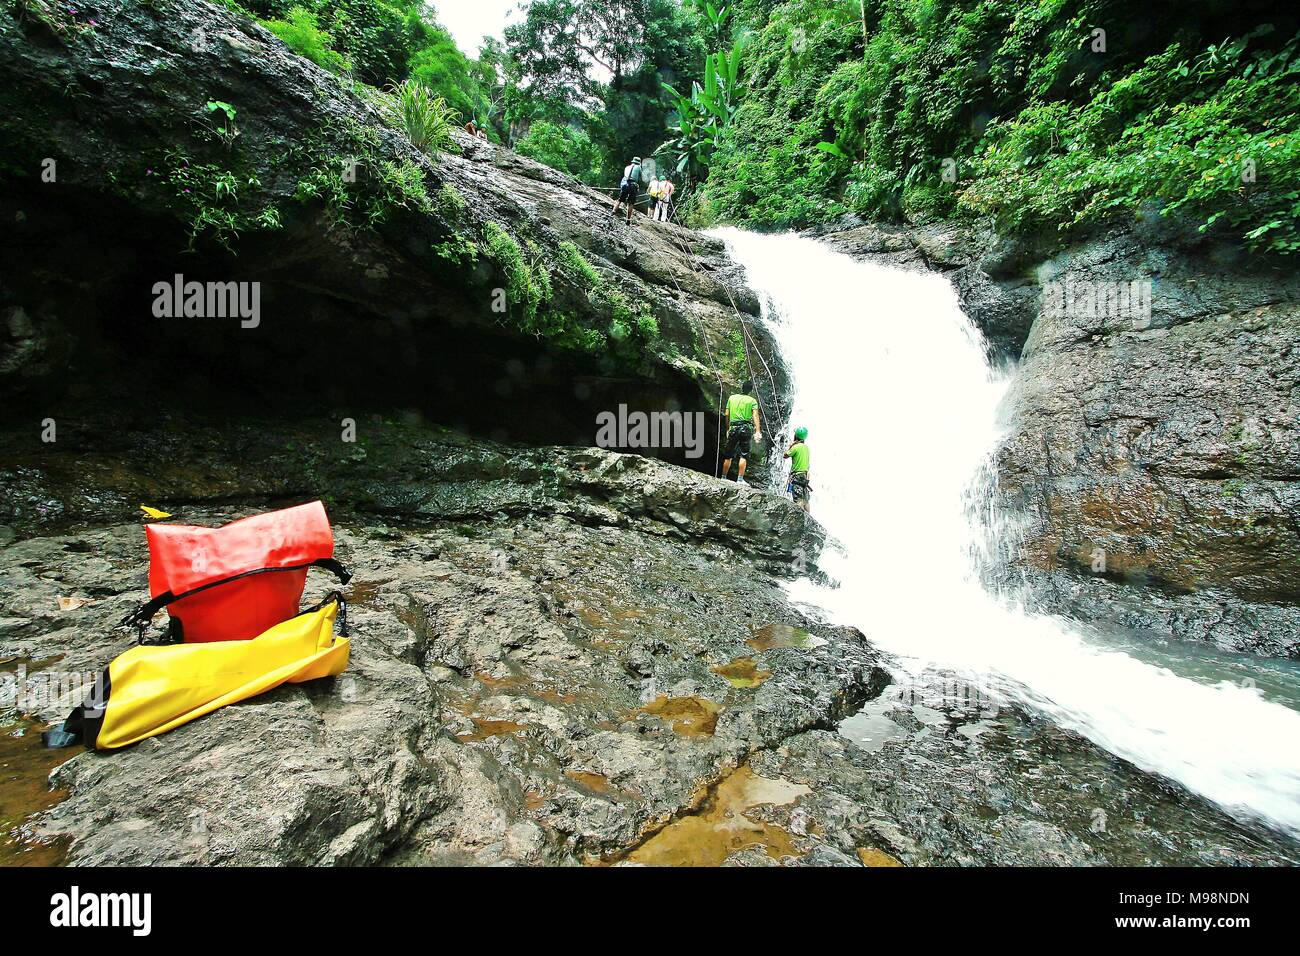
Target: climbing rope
x,y
713,366
747,343
746,339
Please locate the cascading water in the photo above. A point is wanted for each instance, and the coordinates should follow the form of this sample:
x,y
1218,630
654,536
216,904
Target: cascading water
x,y
892,380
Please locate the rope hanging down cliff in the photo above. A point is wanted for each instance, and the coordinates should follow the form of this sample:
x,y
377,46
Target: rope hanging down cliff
x,y
712,364
746,339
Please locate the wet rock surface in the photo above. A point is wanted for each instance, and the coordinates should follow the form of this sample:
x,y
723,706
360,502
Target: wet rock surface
x,y
1165,451
572,677
932,773
1151,472
105,465
499,704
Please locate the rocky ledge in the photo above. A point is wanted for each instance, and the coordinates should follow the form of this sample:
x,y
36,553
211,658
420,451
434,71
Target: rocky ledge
x,y
559,656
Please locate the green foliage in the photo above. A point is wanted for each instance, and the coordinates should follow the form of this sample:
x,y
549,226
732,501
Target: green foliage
x,y
459,250
224,127
449,74
647,325
626,318
535,308
59,18
302,34
597,68
380,43
1217,136
562,147
359,183
426,119
571,258
704,117
208,198
451,202
768,169
916,108
528,283
530,292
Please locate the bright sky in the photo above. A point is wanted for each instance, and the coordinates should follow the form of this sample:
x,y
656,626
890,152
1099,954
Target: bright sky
x,y
471,20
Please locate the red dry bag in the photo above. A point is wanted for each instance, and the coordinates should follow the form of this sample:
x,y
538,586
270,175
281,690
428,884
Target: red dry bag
x,y
234,582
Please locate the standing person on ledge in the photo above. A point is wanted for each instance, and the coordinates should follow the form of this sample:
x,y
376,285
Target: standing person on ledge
x,y
798,455
743,428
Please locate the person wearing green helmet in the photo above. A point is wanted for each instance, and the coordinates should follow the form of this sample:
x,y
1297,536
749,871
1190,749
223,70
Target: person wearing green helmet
x,y
798,455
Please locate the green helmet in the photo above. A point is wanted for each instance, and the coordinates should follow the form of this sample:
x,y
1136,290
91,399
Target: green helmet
x,y
800,433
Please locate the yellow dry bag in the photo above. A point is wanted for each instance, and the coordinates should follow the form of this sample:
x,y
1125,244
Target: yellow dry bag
x,y
150,690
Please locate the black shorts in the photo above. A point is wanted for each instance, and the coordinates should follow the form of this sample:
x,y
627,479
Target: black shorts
x,y
627,192
739,438
799,489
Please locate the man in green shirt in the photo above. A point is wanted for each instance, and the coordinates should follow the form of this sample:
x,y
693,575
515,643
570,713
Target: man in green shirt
x,y
798,455
742,428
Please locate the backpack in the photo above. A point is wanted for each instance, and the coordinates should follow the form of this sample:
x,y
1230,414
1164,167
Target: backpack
x,y
634,174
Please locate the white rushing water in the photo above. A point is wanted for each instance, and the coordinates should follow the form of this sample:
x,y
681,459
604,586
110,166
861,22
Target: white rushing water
x,y
891,379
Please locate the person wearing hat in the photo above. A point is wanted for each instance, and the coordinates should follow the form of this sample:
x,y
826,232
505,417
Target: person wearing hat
x,y
628,188
798,455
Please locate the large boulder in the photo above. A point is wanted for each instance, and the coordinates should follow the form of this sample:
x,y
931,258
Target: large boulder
x,y
480,287
1163,450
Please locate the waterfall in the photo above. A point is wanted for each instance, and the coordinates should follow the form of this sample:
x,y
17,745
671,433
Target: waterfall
x,y
902,407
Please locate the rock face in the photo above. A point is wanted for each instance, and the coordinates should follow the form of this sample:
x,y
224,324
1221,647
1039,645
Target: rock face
x,y
483,289
549,669
102,468
1166,452
1153,457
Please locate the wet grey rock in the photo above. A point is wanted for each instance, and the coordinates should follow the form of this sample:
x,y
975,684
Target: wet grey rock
x,y
500,707
1167,456
989,785
411,472
490,713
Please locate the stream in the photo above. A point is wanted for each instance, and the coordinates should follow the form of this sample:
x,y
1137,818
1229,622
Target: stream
x,y
905,412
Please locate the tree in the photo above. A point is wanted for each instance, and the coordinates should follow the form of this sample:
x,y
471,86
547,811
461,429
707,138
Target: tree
x,y
704,117
441,66
599,66
564,148
564,46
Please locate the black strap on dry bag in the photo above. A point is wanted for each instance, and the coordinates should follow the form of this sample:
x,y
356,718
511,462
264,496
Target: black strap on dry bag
x,y
82,725
141,616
